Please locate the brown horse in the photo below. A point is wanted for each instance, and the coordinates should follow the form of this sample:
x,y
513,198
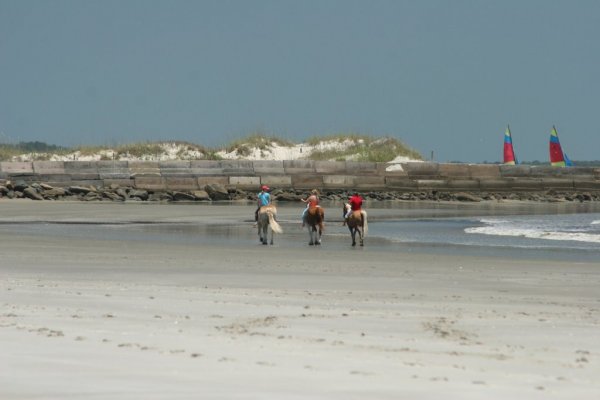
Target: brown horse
x,y
266,219
315,216
357,223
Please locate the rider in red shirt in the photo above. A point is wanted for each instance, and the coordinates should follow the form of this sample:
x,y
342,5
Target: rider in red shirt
x,y
355,202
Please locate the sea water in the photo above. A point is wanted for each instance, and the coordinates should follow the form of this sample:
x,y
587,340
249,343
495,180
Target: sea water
x,y
573,237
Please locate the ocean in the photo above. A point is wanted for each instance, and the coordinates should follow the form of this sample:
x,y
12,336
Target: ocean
x,y
574,237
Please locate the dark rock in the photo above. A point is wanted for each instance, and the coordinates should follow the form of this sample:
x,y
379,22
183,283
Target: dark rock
x,y
79,189
180,196
466,197
20,185
217,191
122,192
92,196
112,196
162,196
33,194
284,196
4,190
55,192
200,195
142,194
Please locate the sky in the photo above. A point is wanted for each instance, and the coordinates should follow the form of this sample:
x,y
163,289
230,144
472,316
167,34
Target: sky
x,y
442,76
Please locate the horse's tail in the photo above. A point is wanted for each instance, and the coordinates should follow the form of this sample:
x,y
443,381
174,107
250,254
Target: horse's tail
x,y
274,225
322,217
363,216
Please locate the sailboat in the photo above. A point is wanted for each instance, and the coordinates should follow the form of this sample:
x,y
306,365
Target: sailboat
x,y
557,157
509,152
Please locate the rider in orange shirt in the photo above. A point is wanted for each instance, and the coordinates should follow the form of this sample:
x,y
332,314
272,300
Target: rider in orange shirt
x,y
313,201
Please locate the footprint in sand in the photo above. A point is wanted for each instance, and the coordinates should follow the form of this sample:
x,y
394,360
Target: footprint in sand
x,y
265,364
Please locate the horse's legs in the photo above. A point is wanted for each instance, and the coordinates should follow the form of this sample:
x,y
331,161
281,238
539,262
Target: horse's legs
x,y
353,235
361,235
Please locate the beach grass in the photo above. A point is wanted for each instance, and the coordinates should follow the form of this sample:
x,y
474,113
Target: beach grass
x,y
354,147
261,141
363,148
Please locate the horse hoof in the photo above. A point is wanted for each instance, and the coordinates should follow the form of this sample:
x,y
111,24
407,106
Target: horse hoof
x,y
353,244
318,243
310,243
265,243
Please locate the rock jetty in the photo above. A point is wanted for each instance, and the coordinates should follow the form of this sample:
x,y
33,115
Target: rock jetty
x,y
217,192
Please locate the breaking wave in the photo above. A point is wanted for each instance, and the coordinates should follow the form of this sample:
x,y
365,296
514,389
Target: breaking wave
x,y
543,229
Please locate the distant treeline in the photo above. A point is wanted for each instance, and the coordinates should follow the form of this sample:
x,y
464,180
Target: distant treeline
x,y
31,147
576,163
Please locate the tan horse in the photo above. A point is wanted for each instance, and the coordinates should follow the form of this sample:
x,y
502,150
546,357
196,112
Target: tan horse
x,y
315,217
266,219
357,223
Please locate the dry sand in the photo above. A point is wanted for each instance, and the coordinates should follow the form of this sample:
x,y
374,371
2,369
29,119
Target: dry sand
x,y
110,318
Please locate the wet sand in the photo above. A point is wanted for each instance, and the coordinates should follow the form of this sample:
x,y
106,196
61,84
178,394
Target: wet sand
x,y
88,315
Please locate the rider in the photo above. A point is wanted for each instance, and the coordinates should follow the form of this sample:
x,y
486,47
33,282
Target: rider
x,y
313,201
262,199
356,202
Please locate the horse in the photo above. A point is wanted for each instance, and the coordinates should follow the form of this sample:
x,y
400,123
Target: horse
x,y
357,223
266,219
315,216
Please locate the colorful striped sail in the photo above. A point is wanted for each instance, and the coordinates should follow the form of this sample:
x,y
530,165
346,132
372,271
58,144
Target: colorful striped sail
x,y
509,152
557,158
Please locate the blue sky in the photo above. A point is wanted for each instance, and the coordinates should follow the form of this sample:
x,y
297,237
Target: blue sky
x,y
442,76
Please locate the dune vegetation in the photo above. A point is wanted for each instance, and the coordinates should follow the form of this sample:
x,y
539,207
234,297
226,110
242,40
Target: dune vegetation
x,y
362,148
256,146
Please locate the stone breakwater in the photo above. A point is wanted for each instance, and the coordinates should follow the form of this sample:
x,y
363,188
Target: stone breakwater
x,y
239,180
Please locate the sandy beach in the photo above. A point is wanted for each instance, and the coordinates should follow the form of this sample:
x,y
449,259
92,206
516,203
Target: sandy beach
x,y
92,308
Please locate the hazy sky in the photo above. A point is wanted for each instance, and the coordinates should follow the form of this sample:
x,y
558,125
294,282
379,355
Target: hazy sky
x,y
445,76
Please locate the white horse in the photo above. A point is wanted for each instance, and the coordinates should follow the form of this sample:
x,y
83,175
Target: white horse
x,y
266,219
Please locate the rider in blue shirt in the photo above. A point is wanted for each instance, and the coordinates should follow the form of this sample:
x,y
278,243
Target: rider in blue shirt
x,y
263,199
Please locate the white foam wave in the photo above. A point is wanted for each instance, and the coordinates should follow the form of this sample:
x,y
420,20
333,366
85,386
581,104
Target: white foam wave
x,y
493,221
596,222
535,234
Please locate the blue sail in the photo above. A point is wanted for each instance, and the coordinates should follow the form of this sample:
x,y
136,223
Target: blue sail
x,y
568,163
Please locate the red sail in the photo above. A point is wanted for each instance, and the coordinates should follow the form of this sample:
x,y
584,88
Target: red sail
x,y
556,154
